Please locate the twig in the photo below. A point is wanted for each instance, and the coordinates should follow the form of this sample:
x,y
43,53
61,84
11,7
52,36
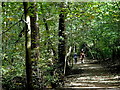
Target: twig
x,y
11,27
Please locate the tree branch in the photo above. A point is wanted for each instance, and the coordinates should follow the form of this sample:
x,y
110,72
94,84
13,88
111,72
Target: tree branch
x,y
11,27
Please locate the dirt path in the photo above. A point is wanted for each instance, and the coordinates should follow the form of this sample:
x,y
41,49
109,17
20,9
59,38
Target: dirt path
x,y
91,75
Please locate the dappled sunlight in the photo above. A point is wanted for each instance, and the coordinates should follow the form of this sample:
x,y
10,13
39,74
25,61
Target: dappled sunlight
x,y
93,76
85,65
80,84
90,67
91,87
60,44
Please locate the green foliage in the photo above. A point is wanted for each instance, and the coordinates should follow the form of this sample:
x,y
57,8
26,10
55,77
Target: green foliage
x,y
48,73
10,74
96,24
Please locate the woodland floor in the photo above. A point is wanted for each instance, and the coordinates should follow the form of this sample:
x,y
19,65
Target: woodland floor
x,y
90,75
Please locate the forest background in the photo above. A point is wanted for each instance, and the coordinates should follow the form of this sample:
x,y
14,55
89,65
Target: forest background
x,y
39,39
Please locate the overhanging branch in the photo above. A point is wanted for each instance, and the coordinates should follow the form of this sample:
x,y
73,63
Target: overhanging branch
x,y
10,27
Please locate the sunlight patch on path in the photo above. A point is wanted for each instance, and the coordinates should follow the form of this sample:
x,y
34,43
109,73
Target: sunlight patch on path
x,y
91,88
93,76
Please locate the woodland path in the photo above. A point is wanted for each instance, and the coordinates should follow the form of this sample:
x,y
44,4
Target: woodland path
x,y
91,75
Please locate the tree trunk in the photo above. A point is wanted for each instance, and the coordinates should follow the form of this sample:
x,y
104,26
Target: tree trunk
x,y
34,43
48,42
28,47
62,38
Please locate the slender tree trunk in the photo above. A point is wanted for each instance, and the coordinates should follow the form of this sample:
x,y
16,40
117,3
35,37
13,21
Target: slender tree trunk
x,y
48,40
1,47
34,43
34,33
28,47
62,38
4,42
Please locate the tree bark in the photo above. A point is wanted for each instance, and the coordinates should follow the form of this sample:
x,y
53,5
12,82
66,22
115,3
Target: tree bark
x,y
28,47
62,38
34,43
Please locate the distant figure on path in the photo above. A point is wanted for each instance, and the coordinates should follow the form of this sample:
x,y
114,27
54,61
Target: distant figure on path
x,y
82,55
75,57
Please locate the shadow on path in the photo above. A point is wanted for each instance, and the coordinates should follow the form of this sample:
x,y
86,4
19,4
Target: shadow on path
x,y
90,75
